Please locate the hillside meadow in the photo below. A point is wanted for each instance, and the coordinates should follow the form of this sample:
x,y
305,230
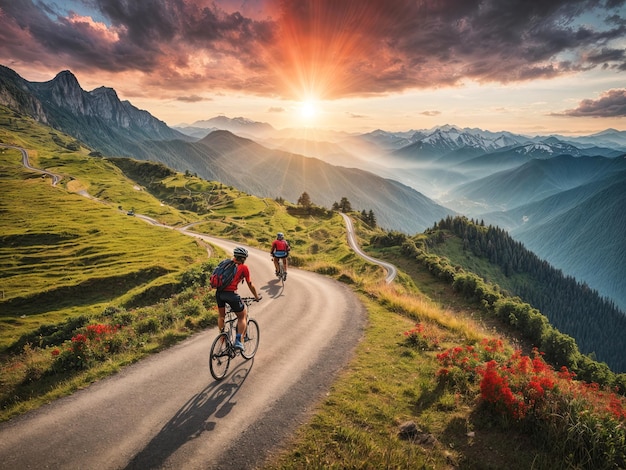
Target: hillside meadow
x,y
435,383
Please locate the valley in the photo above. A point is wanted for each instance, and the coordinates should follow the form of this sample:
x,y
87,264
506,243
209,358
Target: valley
x,y
545,191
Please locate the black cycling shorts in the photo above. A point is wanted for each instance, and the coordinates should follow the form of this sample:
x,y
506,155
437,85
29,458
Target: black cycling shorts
x,y
231,298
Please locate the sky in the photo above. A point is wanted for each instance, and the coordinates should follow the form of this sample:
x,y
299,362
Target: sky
x,y
531,67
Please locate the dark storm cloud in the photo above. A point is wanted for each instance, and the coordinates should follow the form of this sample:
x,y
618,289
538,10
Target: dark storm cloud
x,y
348,47
40,29
149,35
610,104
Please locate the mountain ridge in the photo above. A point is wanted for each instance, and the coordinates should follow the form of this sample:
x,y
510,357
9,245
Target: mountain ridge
x,y
97,118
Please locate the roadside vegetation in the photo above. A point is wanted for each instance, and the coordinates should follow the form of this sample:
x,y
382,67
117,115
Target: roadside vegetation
x,y
438,381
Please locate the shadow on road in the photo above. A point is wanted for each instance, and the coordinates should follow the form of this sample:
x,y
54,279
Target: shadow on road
x,y
274,288
198,416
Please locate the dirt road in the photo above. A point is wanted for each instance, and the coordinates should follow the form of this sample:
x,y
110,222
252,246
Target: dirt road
x,y
167,411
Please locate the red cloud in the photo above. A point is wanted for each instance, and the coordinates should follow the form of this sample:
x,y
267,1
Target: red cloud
x,y
325,48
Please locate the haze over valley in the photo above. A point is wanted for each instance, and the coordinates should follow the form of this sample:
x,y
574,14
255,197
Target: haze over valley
x,y
559,196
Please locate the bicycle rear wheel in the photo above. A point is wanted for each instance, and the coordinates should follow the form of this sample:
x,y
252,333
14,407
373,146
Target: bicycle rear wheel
x,y
281,270
251,343
220,356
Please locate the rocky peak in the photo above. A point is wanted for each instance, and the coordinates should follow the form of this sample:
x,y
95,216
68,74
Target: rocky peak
x,y
64,91
88,116
106,91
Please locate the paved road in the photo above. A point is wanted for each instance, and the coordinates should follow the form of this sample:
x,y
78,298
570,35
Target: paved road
x,y
392,272
56,178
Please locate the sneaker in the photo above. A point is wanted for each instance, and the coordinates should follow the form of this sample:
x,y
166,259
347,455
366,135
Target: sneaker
x,y
277,273
239,345
285,276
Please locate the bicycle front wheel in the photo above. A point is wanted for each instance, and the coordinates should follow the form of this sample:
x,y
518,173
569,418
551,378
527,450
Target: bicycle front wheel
x,y
251,343
220,356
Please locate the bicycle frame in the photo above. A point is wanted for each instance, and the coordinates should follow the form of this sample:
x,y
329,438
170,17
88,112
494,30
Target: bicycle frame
x,y
223,348
281,269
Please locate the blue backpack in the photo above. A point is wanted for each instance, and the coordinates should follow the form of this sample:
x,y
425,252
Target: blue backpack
x,y
223,274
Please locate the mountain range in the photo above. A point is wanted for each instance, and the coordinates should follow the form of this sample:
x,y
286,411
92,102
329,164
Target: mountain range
x,y
560,196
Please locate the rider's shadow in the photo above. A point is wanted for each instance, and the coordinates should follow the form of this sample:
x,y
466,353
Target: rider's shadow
x,y
274,288
193,419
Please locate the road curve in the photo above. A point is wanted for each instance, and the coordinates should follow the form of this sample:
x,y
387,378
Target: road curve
x,y
56,178
166,411
392,272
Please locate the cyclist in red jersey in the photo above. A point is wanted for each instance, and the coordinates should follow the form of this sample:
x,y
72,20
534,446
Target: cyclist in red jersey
x,y
229,296
280,249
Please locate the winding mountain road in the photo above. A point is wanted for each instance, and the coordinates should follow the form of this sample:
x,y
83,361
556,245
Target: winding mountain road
x,y
166,411
392,271
56,178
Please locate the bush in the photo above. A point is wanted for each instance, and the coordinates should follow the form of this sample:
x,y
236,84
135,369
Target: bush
x,y
193,308
147,325
587,422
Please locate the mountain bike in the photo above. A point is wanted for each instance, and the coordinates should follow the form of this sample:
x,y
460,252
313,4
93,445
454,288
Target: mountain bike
x,y
223,348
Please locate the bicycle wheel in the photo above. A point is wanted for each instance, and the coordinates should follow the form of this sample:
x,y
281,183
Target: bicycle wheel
x,y
220,356
281,270
251,342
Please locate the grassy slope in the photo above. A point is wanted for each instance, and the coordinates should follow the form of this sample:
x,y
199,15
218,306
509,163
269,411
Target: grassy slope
x,y
63,254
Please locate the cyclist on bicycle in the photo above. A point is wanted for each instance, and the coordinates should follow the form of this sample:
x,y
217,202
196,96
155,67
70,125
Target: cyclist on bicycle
x,y
229,296
280,249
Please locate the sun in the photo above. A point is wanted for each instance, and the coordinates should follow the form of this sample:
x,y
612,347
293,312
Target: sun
x,y
309,110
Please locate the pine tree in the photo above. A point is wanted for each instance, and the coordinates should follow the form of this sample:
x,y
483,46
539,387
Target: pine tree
x,y
372,219
345,205
304,200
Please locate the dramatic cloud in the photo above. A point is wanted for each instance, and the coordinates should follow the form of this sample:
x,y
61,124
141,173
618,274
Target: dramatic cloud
x,y
610,104
320,48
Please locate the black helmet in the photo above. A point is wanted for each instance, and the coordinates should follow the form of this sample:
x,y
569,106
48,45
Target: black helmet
x,y
280,235
240,252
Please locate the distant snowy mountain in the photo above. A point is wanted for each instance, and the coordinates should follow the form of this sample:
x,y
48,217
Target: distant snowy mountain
x,y
450,140
548,149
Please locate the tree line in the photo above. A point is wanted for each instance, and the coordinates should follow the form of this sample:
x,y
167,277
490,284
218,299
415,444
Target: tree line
x,y
574,308
344,205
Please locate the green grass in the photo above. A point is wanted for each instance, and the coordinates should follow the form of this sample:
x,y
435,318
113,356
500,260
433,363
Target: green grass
x,y
63,254
453,250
